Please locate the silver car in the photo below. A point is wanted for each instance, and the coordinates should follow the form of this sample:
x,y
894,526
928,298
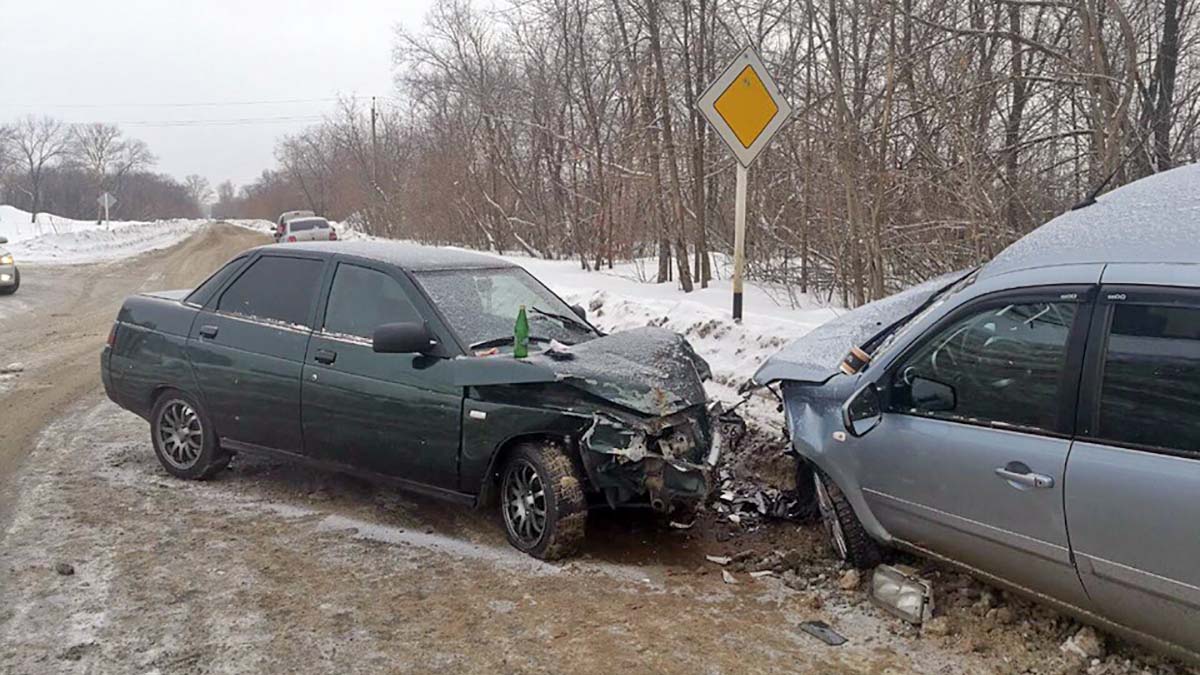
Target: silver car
x,y
1036,421
10,276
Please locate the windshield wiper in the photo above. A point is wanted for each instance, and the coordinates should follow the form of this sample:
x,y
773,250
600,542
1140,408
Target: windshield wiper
x,y
506,340
566,320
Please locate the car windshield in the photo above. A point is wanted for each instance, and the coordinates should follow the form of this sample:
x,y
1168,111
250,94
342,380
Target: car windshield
x,y
889,337
482,304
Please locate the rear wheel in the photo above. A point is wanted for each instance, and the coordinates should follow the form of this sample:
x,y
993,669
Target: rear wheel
x,y
849,539
185,441
542,501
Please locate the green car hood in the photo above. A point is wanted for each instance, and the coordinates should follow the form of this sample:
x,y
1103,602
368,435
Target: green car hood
x,y
649,370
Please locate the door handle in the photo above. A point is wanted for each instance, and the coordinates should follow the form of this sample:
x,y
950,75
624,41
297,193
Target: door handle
x,y
209,332
325,356
1026,477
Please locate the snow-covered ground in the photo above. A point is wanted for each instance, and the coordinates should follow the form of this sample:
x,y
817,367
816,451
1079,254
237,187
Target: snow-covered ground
x,y
53,239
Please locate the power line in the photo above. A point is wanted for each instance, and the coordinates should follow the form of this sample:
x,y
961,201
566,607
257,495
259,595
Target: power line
x,y
196,104
219,122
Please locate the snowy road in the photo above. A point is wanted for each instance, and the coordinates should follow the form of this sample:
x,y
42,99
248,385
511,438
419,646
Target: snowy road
x,y
277,568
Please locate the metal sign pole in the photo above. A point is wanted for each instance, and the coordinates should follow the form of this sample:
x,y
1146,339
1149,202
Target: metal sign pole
x,y
739,242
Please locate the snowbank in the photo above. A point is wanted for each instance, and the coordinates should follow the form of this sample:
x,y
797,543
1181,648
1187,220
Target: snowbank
x,y
53,239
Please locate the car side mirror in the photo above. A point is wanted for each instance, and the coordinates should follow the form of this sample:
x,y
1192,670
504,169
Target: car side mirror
x,y
579,311
932,396
403,338
863,412
3,240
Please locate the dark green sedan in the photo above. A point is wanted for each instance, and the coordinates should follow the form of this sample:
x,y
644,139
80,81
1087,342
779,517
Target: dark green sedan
x,y
394,361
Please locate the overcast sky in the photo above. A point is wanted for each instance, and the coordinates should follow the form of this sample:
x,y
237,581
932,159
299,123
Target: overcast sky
x,y
121,61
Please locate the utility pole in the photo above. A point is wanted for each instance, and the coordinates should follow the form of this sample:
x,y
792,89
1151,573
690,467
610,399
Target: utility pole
x,y
374,147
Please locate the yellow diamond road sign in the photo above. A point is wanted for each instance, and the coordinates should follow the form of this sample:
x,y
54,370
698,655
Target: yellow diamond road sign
x,y
745,107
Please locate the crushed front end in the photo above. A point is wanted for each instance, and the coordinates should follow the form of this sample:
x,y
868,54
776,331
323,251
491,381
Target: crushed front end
x,y
663,461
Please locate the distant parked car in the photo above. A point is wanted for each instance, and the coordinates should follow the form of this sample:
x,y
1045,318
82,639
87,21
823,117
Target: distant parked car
x,y
10,276
395,361
1036,420
306,229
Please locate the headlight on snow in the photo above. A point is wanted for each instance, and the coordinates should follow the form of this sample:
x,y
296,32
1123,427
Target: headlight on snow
x,y
7,260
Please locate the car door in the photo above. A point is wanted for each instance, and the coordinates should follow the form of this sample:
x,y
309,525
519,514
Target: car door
x,y
969,458
247,348
1133,478
393,414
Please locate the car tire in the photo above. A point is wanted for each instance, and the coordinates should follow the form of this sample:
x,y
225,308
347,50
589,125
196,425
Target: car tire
x,y
847,537
539,477
184,439
16,284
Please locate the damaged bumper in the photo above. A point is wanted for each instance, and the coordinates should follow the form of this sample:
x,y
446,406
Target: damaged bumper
x,y
663,461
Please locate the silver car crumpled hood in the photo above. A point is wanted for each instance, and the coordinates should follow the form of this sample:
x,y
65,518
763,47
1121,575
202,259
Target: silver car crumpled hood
x,y
815,357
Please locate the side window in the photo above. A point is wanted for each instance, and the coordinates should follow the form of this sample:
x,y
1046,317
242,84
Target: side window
x,y
363,299
1000,365
275,288
1150,390
205,291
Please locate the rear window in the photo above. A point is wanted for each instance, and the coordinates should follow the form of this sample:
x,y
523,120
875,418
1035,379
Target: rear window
x,y
275,288
308,224
205,291
1150,394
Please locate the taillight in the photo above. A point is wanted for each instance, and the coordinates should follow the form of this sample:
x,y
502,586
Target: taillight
x,y
332,234
112,336
292,239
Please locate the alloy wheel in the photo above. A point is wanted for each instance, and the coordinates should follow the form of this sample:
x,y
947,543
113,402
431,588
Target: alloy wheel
x,y
829,516
524,498
180,434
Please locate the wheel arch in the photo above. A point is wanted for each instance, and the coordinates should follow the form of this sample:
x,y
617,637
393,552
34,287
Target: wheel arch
x,y
490,482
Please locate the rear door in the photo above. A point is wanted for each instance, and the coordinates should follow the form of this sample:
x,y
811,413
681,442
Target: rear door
x,y
1133,495
979,476
393,414
247,347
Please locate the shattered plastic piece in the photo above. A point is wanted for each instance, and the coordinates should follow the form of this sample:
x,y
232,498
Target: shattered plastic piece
x,y
719,559
823,632
682,526
735,519
729,578
762,573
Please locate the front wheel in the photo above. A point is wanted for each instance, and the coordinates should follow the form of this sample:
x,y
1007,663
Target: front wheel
x,y
541,499
847,536
185,441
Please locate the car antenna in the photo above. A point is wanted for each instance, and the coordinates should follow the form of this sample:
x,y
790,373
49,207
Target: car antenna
x,y
1091,196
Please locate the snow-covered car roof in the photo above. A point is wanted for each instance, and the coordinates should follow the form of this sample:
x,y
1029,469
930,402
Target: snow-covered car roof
x,y
414,257
1152,220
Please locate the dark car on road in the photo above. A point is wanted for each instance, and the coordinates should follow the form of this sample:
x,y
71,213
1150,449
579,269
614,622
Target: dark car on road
x,y
395,361
1036,421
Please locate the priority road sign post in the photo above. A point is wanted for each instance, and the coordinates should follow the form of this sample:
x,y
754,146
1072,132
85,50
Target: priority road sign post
x,y
744,106
106,200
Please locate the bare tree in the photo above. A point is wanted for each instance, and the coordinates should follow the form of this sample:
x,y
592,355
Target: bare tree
x,y
198,190
40,142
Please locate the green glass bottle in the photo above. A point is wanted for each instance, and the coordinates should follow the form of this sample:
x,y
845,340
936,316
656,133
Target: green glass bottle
x,y
521,335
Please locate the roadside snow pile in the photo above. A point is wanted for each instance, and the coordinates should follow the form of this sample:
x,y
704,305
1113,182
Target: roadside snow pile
x,y
15,224
54,239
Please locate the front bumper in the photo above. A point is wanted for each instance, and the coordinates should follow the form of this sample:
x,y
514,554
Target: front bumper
x,y
663,462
